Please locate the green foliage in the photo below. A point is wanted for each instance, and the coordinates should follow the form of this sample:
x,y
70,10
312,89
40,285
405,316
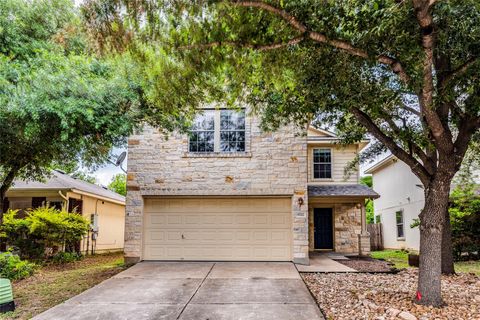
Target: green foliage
x,y
369,210
41,229
118,184
465,221
66,257
60,103
13,268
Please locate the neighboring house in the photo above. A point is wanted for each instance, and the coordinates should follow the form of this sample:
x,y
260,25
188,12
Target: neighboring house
x,y
400,203
228,191
104,208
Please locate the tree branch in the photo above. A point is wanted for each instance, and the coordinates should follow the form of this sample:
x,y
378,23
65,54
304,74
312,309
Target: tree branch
x,y
460,70
427,162
410,109
467,128
394,64
387,141
259,47
441,133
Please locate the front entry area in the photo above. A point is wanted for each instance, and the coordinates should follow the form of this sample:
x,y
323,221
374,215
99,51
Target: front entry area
x,y
214,229
323,228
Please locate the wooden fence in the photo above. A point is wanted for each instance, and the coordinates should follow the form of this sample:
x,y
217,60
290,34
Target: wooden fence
x,y
376,236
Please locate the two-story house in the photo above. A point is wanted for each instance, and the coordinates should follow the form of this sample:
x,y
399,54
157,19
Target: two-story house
x,y
228,191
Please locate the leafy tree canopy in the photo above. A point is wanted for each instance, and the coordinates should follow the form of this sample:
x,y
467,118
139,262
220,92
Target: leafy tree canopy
x,y
338,63
119,184
406,72
60,101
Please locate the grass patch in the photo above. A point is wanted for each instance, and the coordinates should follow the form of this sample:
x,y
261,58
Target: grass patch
x,y
400,259
53,284
468,267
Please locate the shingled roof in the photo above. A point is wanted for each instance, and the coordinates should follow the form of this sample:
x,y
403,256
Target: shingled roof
x,y
61,181
342,190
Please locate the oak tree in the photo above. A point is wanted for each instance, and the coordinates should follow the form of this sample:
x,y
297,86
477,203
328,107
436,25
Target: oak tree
x,y
406,72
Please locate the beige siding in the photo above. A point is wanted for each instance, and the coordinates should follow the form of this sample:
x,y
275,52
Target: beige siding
x,y
111,222
341,157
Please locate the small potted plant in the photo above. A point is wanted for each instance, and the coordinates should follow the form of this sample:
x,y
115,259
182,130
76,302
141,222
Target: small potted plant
x,y
413,259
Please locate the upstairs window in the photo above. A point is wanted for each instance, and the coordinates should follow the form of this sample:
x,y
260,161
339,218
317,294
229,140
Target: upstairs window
x,y
218,131
400,224
202,133
232,131
322,163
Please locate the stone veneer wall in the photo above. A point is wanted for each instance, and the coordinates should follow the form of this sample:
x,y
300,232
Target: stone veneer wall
x,y
273,164
347,226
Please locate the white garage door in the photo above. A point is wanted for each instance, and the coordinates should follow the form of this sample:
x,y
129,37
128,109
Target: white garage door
x,y
256,229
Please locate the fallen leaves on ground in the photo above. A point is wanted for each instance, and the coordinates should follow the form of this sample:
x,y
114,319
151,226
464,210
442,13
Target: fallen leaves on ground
x,y
383,296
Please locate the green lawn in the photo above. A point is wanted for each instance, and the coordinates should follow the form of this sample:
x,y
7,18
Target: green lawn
x,y
400,259
53,284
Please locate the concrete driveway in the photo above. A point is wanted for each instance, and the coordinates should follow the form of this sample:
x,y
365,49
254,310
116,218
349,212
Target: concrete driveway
x,y
195,291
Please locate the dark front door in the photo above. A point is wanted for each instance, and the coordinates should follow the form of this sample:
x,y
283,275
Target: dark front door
x,y
323,225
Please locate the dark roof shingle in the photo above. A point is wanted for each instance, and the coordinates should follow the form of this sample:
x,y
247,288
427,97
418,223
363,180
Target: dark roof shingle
x,y
342,190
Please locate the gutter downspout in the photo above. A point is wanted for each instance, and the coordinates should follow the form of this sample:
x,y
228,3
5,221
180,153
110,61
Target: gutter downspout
x,y
64,198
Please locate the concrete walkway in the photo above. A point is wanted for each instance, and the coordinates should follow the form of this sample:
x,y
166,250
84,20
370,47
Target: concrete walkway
x,y
195,291
323,263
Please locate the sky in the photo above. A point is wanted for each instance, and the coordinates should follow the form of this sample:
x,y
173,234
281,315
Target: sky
x,y
105,173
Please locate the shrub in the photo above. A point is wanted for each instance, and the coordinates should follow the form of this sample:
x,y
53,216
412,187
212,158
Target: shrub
x,y
13,268
41,229
465,220
66,257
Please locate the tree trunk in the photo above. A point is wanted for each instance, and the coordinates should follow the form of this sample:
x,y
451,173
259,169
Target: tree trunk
x,y
447,248
6,184
432,221
3,245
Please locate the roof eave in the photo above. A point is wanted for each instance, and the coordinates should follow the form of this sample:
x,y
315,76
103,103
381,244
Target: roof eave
x,y
381,164
93,195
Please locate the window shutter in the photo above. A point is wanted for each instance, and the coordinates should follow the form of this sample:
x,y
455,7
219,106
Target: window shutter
x,y
37,202
75,205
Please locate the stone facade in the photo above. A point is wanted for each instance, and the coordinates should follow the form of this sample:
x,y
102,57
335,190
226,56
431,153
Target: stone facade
x,y
273,164
364,244
348,225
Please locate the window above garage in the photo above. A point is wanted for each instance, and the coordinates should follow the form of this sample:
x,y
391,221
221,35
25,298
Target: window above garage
x,y
218,131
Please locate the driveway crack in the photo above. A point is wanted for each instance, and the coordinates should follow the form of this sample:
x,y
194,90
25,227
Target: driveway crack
x,y
196,290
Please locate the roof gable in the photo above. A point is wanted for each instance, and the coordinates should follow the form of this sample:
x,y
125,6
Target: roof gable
x,y
61,181
315,132
379,165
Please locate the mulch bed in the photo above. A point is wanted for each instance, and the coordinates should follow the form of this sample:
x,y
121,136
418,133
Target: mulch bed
x,y
391,296
367,264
